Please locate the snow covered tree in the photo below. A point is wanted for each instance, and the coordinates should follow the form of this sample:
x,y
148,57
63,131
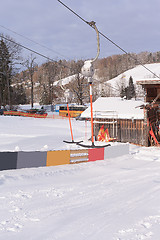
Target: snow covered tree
x,y
121,86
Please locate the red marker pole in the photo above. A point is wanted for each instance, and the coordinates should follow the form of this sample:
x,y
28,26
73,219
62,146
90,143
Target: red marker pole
x,y
90,86
70,122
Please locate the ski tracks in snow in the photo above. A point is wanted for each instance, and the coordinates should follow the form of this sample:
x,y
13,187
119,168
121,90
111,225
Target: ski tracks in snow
x,y
13,206
147,228
115,199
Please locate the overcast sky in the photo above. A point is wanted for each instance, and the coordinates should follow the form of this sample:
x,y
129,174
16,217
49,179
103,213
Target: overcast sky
x,y
132,24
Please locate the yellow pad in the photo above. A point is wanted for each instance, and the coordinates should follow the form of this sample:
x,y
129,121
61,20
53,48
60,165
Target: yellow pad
x,y
58,158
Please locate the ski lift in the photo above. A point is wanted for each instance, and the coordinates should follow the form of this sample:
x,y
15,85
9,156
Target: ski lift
x,y
88,71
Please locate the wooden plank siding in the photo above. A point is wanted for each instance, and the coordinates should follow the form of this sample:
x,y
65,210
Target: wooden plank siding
x,y
125,130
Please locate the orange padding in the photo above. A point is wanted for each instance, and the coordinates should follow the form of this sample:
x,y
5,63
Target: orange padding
x,y
58,158
24,114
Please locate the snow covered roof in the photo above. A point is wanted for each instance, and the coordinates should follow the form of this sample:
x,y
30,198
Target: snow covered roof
x,y
108,107
148,81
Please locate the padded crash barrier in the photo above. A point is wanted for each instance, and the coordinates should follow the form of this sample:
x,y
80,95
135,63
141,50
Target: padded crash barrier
x,y
58,158
25,114
18,160
31,159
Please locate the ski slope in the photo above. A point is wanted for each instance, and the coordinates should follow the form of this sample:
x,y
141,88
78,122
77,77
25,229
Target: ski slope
x,y
114,199
137,73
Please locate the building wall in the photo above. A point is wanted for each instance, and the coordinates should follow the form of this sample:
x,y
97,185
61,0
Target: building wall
x,y
125,130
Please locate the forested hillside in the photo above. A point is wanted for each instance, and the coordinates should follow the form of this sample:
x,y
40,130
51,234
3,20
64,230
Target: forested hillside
x,y
112,66
36,82
107,68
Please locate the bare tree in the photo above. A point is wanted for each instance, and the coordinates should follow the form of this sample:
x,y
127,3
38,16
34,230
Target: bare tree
x,y
79,89
51,70
79,85
31,68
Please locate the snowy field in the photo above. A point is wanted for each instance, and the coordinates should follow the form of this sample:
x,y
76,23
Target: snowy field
x,y
25,134
114,199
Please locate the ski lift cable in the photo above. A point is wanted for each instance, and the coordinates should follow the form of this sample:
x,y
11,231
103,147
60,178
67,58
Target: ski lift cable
x,y
18,34
29,49
107,38
37,53
110,86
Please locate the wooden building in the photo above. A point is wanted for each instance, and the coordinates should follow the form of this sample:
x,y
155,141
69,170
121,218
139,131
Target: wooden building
x,y
152,109
124,119
128,120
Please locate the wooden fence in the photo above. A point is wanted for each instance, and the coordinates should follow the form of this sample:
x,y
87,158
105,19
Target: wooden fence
x,y
124,130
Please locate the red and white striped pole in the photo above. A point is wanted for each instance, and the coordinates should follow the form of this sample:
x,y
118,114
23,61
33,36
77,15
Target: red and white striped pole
x,y
91,106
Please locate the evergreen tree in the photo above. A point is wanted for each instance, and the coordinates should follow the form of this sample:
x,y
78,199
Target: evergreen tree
x,y
131,89
5,74
18,95
44,100
9,58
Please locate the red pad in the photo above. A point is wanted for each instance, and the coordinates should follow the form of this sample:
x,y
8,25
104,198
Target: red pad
x,y
95,154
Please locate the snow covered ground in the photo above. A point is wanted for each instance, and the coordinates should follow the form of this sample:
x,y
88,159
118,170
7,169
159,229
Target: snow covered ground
x,y
138,73
31,134
114,199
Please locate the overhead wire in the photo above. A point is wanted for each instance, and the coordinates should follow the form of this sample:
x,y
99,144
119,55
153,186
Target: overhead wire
x,y
41,45
88,23
107,38
50,59
33,51
29,49
39,54
106,83
42,55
